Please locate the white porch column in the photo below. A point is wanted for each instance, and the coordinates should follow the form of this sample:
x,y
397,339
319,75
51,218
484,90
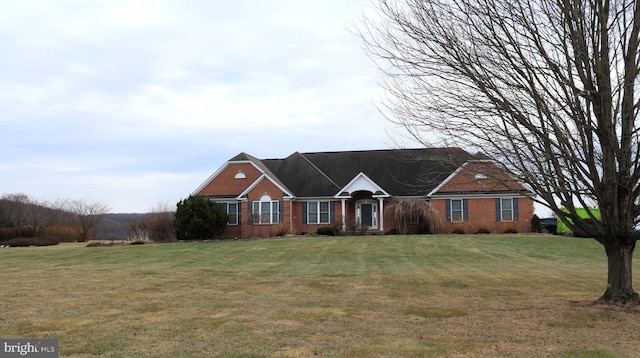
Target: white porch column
x,y
381,213
344,214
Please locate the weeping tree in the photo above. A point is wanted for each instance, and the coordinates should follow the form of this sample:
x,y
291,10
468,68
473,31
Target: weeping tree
x,y
400,213
545,87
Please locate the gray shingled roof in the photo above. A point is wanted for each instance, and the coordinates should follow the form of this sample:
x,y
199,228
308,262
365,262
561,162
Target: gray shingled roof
x,y
403,172
301,176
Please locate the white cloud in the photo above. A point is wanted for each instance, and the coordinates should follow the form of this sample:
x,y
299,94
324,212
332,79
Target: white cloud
x,y
131,102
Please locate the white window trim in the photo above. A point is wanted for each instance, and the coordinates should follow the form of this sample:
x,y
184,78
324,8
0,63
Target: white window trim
x,y
502,209
318,204
461,211
257,214
374,212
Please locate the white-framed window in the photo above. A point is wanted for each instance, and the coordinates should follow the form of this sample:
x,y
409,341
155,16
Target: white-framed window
x,y
457,210
506,209
232,211
266,212
318,212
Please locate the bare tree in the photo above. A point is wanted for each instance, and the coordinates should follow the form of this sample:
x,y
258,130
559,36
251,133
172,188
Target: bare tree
x,y
155,226
22,210
85,216
548,88
402,212
13,208
42,214
160,223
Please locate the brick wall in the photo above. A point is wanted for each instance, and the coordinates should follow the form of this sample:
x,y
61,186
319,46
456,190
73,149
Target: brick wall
x,y
482,216
225,182
478,177
266,187
298,220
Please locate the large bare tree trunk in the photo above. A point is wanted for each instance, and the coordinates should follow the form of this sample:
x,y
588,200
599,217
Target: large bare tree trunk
x,y
619,279
547,88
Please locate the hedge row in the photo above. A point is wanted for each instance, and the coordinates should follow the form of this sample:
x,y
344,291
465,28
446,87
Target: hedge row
x,y
8,233
328,231
64,233
31,241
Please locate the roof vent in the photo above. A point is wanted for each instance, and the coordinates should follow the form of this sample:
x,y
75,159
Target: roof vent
x,y
240,175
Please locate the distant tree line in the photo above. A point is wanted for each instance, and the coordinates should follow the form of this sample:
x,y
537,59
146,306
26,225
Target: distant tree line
x,y
30,221
23,216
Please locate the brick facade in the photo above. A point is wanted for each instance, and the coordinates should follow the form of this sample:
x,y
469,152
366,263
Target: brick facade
x,y
480,183
482,217
477,184
226,182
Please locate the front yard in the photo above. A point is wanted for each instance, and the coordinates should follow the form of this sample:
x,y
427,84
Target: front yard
x,y
434,296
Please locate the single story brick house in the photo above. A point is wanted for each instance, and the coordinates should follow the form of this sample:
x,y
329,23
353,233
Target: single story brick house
x,y
351,189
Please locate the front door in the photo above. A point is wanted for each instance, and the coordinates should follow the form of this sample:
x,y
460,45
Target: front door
x,y
367,213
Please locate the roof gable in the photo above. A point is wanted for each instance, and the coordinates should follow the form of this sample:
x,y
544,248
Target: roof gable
x,y
226,181
260,180
361,182
479,176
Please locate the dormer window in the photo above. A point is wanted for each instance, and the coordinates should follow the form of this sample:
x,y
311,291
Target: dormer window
x,y
240,175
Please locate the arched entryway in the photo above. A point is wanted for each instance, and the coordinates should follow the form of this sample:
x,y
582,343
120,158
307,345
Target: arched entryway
x,y
362,204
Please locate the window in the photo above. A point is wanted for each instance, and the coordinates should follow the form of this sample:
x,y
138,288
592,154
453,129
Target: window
x,y
456,210
232,211
318,212
266,212
506,209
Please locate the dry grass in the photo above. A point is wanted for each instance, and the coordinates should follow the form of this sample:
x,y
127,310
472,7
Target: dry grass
x,y
404,296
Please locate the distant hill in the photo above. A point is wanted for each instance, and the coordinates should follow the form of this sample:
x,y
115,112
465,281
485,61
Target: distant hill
x,y
115,226
23,213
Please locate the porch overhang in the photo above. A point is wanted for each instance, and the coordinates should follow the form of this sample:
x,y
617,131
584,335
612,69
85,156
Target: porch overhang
x,y
361,182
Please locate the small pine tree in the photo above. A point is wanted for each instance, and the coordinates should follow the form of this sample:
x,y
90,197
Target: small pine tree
x,y
536,226
198,218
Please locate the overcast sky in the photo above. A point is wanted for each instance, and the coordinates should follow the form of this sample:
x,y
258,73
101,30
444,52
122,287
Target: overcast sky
x,y
135,103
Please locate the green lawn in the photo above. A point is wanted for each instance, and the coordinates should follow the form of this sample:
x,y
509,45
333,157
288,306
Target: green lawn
x,y
372,296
